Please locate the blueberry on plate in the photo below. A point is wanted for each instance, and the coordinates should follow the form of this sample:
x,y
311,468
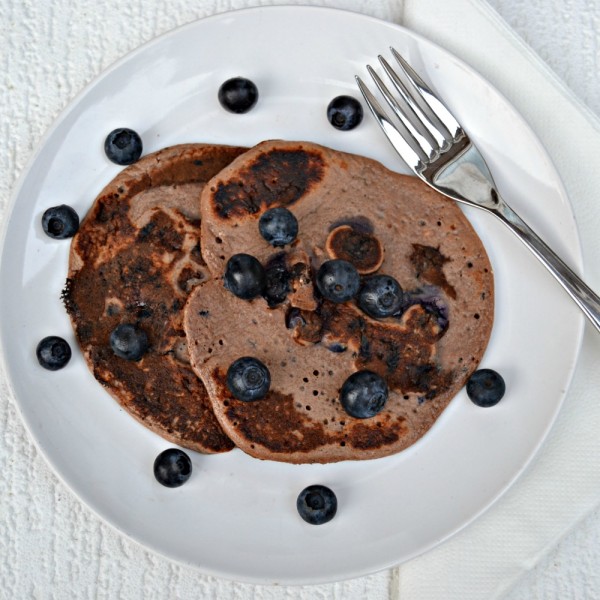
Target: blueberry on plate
x,y
60,222
129,342
53,353
123,146
248,379
380,296
344,112
244,276
238,95
364,394
317,504
486,387
172,467
338,280
278,226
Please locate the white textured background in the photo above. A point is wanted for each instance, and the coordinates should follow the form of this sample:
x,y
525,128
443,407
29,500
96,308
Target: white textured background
x,y
50,545
566,34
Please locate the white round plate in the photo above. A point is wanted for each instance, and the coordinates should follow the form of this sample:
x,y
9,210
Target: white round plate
x,y
236,517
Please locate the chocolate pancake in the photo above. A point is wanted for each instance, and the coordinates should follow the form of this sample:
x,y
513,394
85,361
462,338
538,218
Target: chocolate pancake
x,y
134,260
353,208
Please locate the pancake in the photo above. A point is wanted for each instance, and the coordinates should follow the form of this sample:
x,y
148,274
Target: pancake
x,y
347,207
134,260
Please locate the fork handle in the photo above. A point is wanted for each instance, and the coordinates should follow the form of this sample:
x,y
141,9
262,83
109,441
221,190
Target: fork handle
x,y
584,296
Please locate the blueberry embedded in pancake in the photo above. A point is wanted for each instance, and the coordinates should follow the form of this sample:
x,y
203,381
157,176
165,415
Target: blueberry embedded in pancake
x,y
134,261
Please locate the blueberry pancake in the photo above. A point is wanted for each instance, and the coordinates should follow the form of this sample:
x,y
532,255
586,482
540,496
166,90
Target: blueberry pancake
x,y
417,320
134,261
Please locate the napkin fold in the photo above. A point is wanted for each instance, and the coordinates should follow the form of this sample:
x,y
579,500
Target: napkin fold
x,y
562,485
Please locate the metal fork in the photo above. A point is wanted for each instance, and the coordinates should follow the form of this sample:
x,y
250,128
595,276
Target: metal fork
x,y
434,145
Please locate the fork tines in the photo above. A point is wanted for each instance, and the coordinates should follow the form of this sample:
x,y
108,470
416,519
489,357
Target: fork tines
x,y
424,127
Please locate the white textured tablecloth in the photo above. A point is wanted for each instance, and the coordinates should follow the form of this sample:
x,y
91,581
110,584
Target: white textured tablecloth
x,y
51,546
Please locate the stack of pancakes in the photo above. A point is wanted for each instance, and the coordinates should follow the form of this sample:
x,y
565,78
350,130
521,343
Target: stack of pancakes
x,y
152,252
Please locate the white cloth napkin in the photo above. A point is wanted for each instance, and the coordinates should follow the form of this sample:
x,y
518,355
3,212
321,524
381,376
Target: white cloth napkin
x,y
52,547
563,483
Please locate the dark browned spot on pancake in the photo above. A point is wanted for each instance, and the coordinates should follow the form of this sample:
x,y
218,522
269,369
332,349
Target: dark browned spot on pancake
x,y
361,249
137,270
402,353
160,232
366,437
109,216
111,210
278,177
428,263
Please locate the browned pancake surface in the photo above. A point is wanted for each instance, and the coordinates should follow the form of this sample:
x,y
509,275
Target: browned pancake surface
x,y
135,259
348,207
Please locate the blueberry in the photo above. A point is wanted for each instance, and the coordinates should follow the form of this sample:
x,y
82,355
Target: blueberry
x,y
294,318
53,353
123,146
431,299
277,282
317,504
380,296
238,95
344,112
248,379
364,394
129,342
338,280
244,276
278,226
172,467
60,222
486,387
337,347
